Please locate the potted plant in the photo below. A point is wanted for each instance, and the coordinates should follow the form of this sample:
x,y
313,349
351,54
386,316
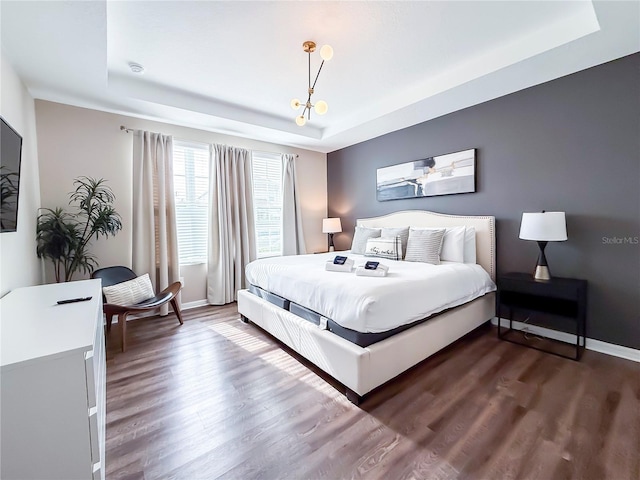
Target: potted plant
x,y
65,238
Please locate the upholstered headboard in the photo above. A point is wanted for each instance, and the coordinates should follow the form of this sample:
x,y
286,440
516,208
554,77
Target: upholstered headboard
x,y
484,225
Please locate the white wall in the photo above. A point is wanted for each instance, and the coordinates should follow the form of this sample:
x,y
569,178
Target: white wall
x,y
77,141
19,265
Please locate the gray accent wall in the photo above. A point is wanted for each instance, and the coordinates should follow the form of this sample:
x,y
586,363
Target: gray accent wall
x,y
570,145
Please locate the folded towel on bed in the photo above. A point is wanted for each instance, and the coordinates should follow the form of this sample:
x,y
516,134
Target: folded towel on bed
x,y
332,267
381,271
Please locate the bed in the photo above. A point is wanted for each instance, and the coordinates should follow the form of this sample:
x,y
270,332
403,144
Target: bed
x,y
364,362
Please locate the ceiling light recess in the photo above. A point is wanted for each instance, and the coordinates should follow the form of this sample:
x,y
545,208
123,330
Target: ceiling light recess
x,y
321,107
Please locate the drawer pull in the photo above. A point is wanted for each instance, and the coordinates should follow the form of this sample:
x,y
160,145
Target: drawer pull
x,y
90,376
94,434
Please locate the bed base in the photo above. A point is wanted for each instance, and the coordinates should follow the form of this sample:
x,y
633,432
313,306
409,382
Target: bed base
x,y
353,397
362,369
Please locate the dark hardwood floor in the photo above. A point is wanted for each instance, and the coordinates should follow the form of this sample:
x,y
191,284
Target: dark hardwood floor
x,y
216,398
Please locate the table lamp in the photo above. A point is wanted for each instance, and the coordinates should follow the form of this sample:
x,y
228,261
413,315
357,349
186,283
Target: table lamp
x,y
543,227
331,226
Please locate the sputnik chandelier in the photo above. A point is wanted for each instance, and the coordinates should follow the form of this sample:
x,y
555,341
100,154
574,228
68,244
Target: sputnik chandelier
x,y
320,107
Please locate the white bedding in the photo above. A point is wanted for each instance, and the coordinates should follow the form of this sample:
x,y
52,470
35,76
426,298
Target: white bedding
x,y
410,291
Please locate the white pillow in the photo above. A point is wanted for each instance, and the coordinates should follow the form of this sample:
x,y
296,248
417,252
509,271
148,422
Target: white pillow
x,y
452,243
360,237
470,245
130,292
424,245
385,247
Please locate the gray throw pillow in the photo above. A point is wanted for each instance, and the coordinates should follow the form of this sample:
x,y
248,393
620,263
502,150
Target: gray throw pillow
x,y
360,238
402,232
424,246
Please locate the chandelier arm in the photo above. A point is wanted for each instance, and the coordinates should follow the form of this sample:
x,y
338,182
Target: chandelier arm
x,y
309,56
318,74
304,111
310,47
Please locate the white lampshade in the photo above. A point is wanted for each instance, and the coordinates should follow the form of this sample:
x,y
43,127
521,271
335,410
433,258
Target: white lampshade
x,y
295,104
326,52
543,226
331,225
300,120
321,107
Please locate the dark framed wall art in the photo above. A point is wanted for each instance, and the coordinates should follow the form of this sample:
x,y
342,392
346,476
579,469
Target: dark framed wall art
x,y
447,174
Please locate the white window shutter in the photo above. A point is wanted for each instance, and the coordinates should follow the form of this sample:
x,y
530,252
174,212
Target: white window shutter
x,y
191,184
267,200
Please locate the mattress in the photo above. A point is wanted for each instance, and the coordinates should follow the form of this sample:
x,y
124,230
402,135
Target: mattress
x,y
409,293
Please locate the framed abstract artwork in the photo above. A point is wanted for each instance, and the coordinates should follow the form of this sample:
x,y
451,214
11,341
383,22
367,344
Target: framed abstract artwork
x,y
447,174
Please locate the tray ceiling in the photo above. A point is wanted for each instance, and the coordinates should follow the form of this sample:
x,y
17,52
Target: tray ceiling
x,y
233,67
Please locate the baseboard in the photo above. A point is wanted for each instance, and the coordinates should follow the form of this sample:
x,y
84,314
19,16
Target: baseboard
x,y
591,344
194,304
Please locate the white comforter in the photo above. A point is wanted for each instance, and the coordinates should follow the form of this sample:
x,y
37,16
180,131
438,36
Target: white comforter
x,y
411,291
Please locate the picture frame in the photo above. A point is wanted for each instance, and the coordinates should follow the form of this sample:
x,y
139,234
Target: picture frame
x,y
448,174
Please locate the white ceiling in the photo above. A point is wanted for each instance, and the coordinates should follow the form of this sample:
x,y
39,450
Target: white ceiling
x,y
233,67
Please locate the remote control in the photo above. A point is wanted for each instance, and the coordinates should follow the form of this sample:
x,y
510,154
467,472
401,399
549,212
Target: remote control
x,y
74,300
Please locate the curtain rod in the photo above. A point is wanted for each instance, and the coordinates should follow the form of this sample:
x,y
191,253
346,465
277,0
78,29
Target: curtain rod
x,y
271,153
129,130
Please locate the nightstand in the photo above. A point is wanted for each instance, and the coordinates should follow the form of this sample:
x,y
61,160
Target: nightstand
x,y
558,304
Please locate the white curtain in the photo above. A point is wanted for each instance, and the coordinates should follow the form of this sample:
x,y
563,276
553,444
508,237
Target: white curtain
x,y
155,238
292,233
232,240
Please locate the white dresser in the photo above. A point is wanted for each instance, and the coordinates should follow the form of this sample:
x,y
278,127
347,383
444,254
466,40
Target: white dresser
x,y
52,379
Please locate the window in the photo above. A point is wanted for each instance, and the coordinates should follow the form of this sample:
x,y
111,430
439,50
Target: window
x,y
191,184
267,201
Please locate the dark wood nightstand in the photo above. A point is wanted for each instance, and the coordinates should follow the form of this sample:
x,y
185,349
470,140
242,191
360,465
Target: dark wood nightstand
x,y
558,304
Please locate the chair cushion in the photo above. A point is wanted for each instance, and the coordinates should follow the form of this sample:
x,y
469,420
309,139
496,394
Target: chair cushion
x,y
156,301
131,292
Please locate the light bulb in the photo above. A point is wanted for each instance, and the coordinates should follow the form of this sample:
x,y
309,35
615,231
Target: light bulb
x,y
295,104
326,52
321,107
300,120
